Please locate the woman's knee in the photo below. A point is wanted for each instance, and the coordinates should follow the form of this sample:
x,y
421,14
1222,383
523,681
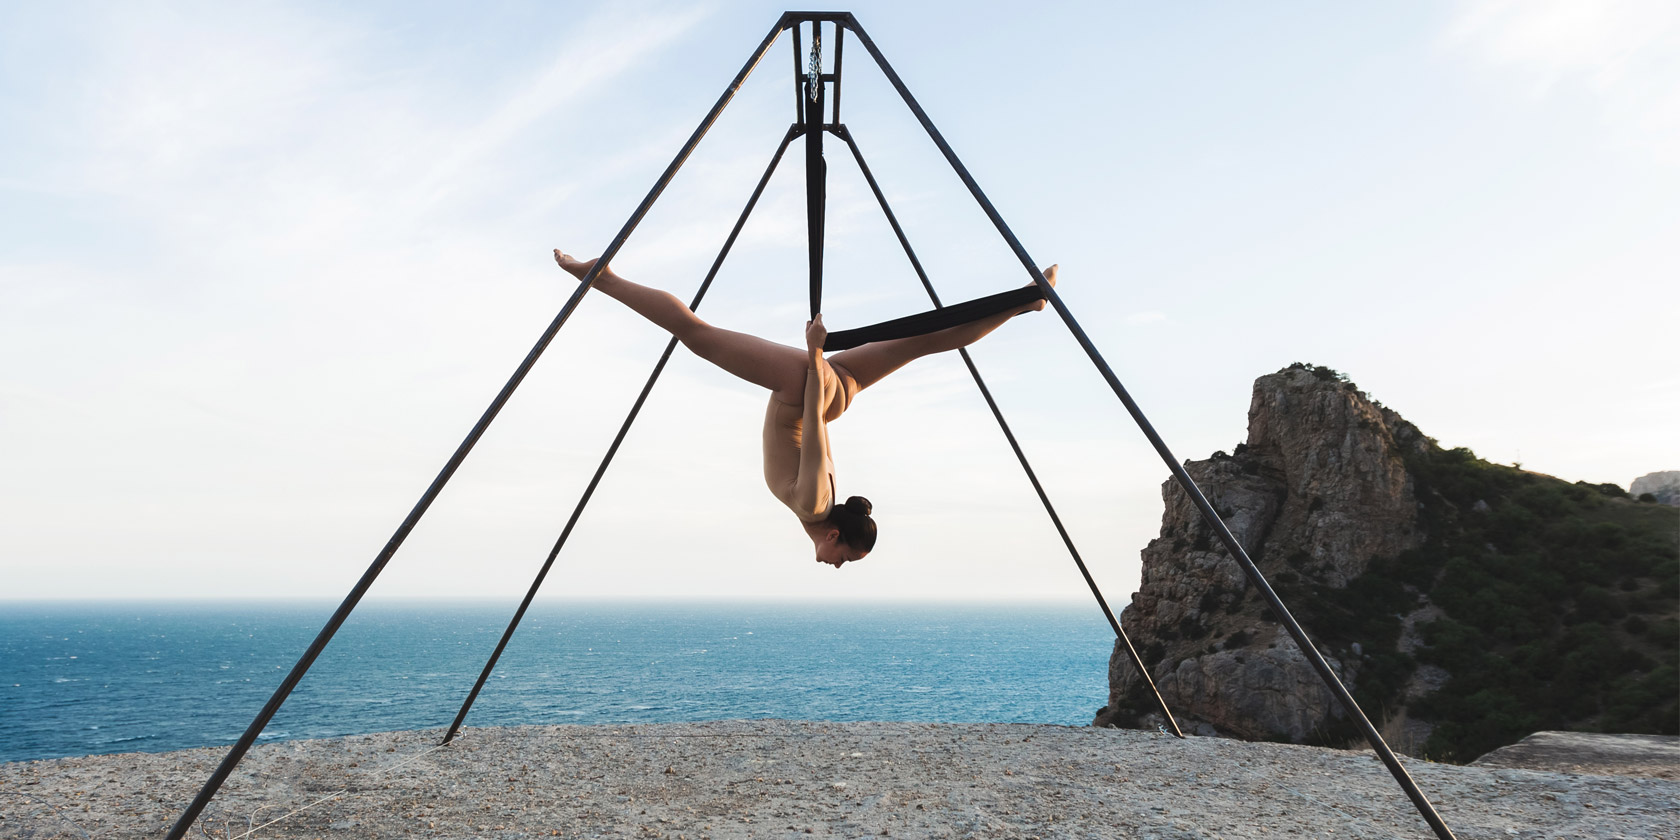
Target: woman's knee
x,y
695,334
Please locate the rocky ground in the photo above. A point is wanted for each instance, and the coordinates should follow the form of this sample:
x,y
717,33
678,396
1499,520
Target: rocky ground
x,y
797,779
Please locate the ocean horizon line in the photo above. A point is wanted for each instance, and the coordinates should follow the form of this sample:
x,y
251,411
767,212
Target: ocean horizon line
x,y
489,600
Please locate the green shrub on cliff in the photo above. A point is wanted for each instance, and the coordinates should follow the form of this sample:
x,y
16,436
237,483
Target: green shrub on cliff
x,y
1549,590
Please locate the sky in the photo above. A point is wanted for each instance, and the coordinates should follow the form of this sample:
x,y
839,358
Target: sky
x,y
263,265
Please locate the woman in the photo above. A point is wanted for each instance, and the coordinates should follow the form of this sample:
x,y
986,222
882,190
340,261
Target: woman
x,y
807,392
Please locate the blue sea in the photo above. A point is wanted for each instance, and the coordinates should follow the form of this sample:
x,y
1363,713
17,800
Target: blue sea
x,y
89,678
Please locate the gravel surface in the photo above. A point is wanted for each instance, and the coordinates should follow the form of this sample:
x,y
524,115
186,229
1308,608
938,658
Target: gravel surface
x,y
802,779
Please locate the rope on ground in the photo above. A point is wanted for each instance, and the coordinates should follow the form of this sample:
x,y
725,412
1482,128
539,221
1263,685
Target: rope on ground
x,y
253,829
51,807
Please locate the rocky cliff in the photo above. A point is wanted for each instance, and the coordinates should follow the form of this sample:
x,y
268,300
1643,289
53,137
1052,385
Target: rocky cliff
x,y
1384,546
1664,487
1319,489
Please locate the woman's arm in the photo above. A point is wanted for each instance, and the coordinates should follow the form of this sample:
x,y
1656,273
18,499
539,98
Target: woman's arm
x,y
812,488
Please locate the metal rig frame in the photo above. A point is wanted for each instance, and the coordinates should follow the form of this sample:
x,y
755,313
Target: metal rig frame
x,y
813,104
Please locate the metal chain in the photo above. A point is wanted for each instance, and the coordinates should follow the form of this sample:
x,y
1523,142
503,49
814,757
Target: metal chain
x,y
813,76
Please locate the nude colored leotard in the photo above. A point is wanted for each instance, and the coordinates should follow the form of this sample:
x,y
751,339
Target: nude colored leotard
x,y
809,497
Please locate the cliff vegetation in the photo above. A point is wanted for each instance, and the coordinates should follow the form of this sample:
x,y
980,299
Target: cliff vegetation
x,y
1465,603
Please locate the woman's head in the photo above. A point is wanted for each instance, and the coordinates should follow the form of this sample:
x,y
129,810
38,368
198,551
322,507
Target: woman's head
x,y
853,533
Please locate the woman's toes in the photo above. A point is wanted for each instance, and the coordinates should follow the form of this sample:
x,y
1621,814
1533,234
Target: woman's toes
x,y
1038,305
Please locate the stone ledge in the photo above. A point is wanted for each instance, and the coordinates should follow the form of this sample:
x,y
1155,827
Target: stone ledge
x,y
1654,756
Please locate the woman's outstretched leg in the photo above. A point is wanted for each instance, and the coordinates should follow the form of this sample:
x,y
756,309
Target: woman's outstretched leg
x,y
872,362
777,367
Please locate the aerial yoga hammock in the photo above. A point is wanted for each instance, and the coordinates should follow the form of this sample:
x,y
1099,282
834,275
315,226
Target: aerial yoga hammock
x,y
808,391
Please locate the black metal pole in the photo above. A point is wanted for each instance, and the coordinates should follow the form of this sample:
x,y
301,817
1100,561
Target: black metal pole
x,y
245,741
1421,802
839,54
1137,662
798,74
612,450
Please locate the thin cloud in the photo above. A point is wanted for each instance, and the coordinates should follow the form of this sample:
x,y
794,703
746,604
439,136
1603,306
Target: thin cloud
x,y
1625,53
599,54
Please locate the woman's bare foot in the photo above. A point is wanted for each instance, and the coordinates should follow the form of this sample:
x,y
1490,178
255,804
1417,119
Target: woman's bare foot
x,y
1038,305
578,268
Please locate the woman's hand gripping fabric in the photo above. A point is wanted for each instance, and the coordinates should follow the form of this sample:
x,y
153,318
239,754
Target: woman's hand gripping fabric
x,y
815,335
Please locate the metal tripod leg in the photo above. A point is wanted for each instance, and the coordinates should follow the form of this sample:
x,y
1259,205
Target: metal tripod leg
x,y
612,450
1114,622
243,745
1421,802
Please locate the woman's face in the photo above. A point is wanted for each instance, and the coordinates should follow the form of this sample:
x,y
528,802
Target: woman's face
x,y
835,553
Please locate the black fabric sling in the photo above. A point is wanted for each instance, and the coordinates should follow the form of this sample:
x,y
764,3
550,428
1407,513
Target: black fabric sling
x,y
933,320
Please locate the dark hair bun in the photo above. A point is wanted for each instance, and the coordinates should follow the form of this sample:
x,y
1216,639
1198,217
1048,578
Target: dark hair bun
x,y
852,521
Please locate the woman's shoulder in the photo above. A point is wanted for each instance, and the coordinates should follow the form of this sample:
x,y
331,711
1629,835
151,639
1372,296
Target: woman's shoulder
x,y
802,512
812,508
